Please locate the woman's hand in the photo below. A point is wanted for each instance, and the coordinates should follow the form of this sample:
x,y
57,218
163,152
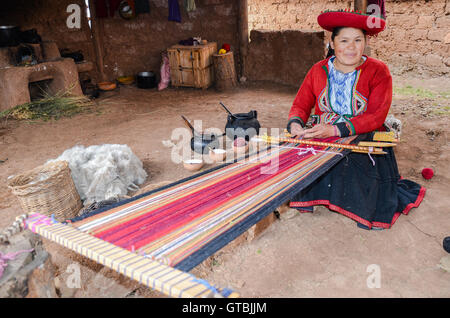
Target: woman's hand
x,y
297,130
320,131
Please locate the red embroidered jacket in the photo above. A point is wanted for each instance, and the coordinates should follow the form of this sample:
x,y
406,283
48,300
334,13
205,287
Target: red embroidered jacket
x,y
371,98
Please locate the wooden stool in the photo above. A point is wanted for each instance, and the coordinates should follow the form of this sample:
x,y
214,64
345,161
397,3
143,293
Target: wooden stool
x,y
225,73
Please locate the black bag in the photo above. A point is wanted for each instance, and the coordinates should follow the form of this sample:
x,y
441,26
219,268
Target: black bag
x,y
30,36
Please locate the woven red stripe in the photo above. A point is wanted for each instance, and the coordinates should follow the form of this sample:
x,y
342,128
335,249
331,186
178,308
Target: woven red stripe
x,y
163,220
207,204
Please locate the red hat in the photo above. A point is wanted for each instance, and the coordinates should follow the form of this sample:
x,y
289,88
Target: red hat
x,y
372,24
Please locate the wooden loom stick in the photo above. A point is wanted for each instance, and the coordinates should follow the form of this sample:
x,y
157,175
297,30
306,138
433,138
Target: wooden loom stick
x,y
376,144
163,278
380,139
355,148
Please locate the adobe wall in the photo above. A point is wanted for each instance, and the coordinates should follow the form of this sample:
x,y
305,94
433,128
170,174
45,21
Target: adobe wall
x,y
133,45
136,45
416,40
49,19
283,56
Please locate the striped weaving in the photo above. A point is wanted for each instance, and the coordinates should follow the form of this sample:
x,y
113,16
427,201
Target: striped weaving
x,y
160,277
182,224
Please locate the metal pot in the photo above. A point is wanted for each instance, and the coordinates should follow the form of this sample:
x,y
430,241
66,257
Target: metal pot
x,y
9,35
243,125
126,10
202,142
146,80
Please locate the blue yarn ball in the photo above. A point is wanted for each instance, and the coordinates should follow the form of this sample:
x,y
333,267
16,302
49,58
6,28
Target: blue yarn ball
x,y
446,244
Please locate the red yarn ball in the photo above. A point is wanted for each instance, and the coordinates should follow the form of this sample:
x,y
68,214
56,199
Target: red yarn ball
x,y
226,47
427,173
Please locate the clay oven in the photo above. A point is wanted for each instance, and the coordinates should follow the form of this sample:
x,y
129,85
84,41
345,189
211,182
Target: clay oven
x,y
61,74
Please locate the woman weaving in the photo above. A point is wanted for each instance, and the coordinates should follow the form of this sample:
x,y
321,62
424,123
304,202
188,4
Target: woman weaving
x,y
351,94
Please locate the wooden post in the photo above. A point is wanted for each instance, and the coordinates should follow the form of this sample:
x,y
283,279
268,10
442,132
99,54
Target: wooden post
x,y
243,36
224,71
97,34
361,5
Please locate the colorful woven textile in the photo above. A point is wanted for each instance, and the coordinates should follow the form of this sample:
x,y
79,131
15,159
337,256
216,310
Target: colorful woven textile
x,y
183,223
155,275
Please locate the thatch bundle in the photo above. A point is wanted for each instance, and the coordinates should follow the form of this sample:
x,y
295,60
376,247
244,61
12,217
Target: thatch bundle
x,y
61,104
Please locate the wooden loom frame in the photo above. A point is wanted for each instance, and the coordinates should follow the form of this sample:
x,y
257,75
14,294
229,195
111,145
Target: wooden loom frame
x,y
160,277
163,278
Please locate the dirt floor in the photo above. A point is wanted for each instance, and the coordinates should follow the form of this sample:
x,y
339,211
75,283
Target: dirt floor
x,y
309,255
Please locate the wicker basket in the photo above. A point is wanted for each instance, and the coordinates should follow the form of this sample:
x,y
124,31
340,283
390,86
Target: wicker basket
x,y
48,189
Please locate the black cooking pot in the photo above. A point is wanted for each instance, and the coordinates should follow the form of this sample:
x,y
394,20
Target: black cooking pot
x,y
146,80
244,125
204,142
9,35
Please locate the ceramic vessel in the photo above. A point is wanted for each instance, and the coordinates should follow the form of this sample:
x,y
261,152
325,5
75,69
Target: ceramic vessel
x,y
217,154
193,164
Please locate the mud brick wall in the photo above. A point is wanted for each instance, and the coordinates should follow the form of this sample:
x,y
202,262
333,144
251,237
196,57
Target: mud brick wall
x,y
136,45
49,18
130,46
416,40
283,56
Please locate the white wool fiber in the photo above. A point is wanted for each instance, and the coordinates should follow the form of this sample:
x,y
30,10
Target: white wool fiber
x,y
394,124
103,172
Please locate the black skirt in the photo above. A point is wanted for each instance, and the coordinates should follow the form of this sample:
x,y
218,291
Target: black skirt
x,y
372,195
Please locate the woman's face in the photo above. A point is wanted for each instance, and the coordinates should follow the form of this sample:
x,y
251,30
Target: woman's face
x,y
349,46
